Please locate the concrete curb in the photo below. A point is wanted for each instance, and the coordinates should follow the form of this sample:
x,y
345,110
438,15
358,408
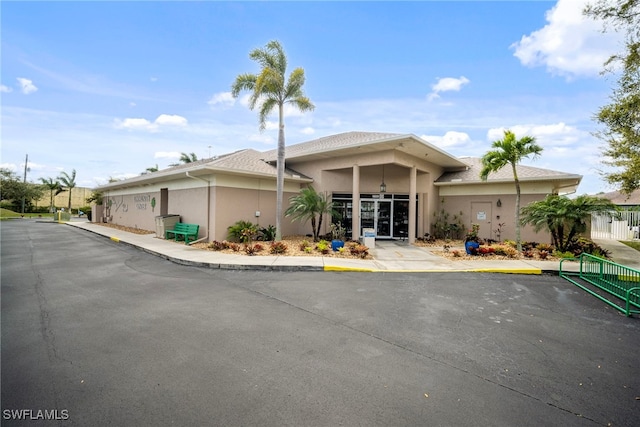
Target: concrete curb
x,y
299,268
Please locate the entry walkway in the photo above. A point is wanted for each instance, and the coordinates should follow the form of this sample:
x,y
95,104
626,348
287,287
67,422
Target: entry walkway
x,y
388,256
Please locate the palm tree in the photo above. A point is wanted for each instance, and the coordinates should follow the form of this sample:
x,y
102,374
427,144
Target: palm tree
x,y
186,158
68,181
563,217
269,89
53,186
152,169
510,151
310,205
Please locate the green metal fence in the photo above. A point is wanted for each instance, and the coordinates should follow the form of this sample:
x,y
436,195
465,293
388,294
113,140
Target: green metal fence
x,y
621,284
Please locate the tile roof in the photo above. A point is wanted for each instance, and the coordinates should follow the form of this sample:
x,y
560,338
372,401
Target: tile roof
x,y
621,199
525,173
331,142
248,160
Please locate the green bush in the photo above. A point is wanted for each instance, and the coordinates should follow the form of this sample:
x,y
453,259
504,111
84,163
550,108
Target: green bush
x,y
563,255
267,234
238,231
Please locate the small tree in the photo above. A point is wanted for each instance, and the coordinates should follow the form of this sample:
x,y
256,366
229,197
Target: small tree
x,y
510,151
563,217
68,181
54,188
310,205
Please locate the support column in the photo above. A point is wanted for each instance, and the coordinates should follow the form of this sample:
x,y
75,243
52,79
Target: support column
x,y
355,209
413,178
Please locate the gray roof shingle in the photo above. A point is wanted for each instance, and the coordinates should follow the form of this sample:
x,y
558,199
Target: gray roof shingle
x,y
525,173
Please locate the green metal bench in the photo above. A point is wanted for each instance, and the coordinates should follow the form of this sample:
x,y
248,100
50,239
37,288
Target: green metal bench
x,y
187,231
615,280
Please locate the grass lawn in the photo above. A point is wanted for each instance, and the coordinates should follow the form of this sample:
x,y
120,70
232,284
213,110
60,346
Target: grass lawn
x,y
632,244
6,214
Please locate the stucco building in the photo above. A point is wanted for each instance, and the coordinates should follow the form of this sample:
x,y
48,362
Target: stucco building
x,y
396,184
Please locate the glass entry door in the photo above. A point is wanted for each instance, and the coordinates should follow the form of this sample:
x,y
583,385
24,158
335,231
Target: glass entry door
x,y
376,214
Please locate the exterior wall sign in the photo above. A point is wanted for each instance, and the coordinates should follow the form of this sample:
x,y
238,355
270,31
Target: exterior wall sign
x,y
143,201
481,216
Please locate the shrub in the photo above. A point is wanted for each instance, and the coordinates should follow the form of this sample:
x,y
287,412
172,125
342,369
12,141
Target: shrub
x,y
511,243
267,234
511,252
543,254
583,245
250,249
308,249
562,255
218,246
528,253
359,250
486,250
258,247
456,253
241,231
233,246
304,245
544,247
278,248
323,247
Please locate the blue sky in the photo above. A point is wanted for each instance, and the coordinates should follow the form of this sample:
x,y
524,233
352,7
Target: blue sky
x,y
112,88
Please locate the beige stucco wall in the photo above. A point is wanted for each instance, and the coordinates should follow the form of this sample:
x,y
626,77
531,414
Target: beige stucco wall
x,y
214,205
79,197
495,214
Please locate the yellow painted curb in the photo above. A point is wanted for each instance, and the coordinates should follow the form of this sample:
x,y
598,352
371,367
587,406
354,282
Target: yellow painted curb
x,y
507,270
477,270
335,268
115,239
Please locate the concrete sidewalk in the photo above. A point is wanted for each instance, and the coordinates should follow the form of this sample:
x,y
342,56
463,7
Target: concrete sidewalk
x,y
388,256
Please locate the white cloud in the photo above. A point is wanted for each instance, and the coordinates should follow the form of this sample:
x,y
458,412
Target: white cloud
x,y
224,98
134,124
270,125
447,84
170,120
449,139
5,89
552,135
26,85
308,131
166,155
571,44
144,124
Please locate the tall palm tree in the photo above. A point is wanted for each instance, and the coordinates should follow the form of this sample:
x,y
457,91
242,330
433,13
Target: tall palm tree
x,y
563,217
510,151
152,169
68,181
310,205
53,185
271,89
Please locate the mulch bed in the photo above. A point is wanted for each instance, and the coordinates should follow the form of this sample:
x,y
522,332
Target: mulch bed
x,y
451,249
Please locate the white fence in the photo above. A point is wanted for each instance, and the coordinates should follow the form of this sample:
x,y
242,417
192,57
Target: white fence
x,y
623,225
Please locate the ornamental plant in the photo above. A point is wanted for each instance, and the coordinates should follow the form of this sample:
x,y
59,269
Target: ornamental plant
x,y
472,234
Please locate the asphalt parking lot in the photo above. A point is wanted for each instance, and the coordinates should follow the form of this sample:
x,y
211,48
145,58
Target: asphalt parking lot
x,y
105,334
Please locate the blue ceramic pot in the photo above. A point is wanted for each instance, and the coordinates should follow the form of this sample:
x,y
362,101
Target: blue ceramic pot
x,y
471,247
336,244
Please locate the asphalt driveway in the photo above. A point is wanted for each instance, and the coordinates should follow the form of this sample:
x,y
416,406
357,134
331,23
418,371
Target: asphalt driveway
x,y
105,334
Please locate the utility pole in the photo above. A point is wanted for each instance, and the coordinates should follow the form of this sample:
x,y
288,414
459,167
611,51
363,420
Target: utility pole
x,y
24,181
